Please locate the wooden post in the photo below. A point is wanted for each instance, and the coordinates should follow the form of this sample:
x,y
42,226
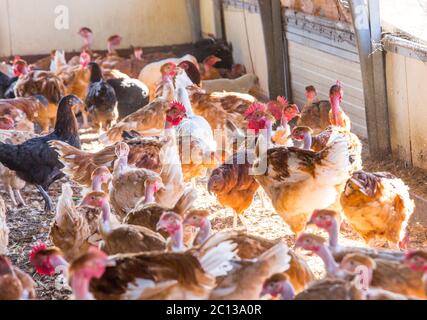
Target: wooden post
x,y
367,27
276,48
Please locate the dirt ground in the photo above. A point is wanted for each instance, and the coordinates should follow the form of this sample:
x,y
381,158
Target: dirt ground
x,y
30,225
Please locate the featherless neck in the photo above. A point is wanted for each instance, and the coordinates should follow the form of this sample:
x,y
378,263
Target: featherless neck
x,y
177,238
307,141
149,194
122,163
110,48
333,234
205,231
106,212
335,103
80,285
96,184
325,254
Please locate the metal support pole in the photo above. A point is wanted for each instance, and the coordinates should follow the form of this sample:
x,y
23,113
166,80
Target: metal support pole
x,y
276,50
193,9
367,27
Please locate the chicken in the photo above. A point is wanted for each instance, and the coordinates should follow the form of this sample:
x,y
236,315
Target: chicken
x,y
300,181
417,261
378,206
112,58
283,113
318,142
131,95
315,113
74,229
6,83
101,100
122,238
328,220
337,117
246,280
242,84
208,71
233,184
388,275
151,73
14,283
217,107
4,230
279,286
8,177
35,161
250,247
87,36
196,142
130,184
42,83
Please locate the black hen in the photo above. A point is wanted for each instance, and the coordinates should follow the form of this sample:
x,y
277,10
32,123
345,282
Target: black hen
x,y
101,100
34,160
131,95
7,84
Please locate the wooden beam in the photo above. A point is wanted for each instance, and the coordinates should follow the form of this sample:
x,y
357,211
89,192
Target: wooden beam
x,y
367,27
276,48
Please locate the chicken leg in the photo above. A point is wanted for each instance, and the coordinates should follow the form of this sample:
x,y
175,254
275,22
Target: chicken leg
x,y
20,199
12,195
48,202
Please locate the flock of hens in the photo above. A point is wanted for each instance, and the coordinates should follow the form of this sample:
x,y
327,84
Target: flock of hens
x,y
162,122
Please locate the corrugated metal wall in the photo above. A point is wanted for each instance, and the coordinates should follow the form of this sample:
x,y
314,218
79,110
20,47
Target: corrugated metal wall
x,y
322,51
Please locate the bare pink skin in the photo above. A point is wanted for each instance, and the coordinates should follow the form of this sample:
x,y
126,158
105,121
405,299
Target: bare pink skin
x,y
98,181
336,109
172,224
87,39
137,53
112,44
311,97
150,191
330,225
81,279
205,226
282,289
417,264
322,251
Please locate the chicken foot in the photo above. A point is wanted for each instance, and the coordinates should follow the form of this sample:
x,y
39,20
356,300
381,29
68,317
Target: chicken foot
x,y
242,219
20,199
48,202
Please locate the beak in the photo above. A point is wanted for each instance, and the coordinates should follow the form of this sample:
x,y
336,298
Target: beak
x,y
159,226
310,222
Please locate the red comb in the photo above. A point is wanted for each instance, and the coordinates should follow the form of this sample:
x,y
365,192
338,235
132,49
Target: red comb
x,y
36,249
255,107
282,100
178,105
